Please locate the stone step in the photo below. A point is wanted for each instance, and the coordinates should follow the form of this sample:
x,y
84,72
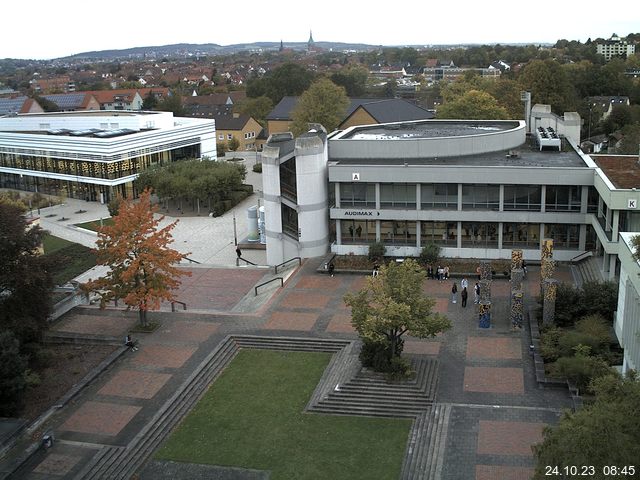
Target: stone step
x,y
338,399
378,392
297,344
98,463
412,458
365,411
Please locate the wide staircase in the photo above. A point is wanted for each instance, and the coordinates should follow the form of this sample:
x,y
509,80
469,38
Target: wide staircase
x,y
587,270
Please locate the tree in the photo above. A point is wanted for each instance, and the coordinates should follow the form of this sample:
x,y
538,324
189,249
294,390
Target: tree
x,y
150,102
548,83
603,434
353,79
25,281
630,142
288,79
258,108
392,304
13,367
142,266
324,103
473,105
635,243
172,103
233,144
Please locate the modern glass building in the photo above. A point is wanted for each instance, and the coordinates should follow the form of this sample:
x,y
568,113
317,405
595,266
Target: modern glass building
x,y
95,155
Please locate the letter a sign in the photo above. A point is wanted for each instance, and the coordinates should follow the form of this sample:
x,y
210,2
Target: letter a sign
x,y
632,203
355,177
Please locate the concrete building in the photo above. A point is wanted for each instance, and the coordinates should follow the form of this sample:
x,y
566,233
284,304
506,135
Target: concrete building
x,y
94,155
615,47
627,315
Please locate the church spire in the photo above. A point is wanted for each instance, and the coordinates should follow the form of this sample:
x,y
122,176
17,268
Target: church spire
x,y
310,43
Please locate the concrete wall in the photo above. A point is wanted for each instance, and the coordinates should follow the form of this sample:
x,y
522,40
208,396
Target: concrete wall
x,y
272,205
627,319
568,125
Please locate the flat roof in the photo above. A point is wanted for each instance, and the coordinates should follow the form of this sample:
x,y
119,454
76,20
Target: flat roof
x,y
526,155
622,170
430,129
92,113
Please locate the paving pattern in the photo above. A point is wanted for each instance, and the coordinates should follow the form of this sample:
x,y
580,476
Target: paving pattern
x,y
485,415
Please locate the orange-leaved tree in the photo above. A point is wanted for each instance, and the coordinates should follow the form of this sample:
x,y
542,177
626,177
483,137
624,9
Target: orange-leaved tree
x,y
142,268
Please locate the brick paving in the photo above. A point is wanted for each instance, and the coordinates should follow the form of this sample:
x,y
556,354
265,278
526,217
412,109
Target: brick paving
x,y
292,321
486,375
497,348
57,464
134,384
494,472
100,418
493,380
163,356
508,438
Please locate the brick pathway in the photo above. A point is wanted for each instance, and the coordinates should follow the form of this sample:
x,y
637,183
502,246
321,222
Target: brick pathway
x,y
486,375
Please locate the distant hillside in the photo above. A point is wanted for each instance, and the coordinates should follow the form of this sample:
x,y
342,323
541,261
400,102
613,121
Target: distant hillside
x,y
191,49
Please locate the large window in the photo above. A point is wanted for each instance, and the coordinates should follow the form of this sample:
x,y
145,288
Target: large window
x,y
480,197
357,195
398,195
288,185
563,198
520,235
592,200
358,231
441,233
289,221
479,235
396,232
522,197
564,236
439,196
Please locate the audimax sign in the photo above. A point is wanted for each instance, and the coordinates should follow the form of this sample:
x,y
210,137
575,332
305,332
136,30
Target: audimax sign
x,y
361,213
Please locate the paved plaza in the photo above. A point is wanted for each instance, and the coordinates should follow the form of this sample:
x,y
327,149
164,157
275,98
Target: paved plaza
x,y
485,378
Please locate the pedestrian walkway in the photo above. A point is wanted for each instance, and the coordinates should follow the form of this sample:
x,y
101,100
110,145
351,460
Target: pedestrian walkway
x,y
487,408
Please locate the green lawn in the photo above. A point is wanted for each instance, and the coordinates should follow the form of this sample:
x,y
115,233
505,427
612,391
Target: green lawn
x,y
252,417
70,259
94,225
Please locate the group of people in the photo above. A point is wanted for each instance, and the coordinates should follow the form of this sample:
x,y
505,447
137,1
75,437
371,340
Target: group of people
x,y
464,294
440,273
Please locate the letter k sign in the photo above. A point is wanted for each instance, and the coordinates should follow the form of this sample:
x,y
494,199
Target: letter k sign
x,y
632,203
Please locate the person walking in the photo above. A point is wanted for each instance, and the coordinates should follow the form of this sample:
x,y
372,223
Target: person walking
x,y
376,269
446,272
476,293
463,295
440,273
429,272
332,267
454,293
464,283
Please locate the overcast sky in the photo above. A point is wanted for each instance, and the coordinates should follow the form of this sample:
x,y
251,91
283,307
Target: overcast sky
x,y
47,29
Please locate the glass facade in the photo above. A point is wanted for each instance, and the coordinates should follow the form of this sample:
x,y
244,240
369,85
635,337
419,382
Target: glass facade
x,y
358,195
441,233
358,231
565,236
398,195
398,232
288,186
479,234
523,235
289,221
522,197
439,196
480,197
561,198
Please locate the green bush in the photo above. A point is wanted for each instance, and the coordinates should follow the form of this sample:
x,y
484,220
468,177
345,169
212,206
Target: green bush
x,y
257,168
13,367
549,344
581,370
377,251
377,355
593,298
430,253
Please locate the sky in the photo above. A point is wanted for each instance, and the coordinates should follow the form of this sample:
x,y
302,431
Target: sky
x,y
44,29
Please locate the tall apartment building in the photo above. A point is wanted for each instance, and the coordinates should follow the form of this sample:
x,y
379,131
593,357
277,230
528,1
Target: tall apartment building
x,y
615,47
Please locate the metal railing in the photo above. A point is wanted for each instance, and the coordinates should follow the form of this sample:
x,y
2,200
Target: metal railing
x,y
287,261
192,261
244,260
267,282
581,256
173,305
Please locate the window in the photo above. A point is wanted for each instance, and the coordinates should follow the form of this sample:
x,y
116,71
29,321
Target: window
x,y
358,195
439,196
479,235
480,197
396,232
358,231
564,236
229,136
221,137
289,221
522,197
592,200
441,233
288,184
563,198
520,235
398,195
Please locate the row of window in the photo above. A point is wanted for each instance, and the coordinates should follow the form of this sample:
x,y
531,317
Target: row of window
x,y
247,136
472,234
474,197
